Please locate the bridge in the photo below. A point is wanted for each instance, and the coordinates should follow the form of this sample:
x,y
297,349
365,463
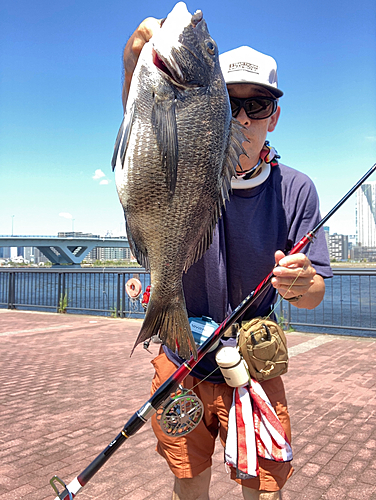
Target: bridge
x,y
69,250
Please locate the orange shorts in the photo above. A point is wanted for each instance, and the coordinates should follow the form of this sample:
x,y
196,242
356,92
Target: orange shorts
x,y
189,455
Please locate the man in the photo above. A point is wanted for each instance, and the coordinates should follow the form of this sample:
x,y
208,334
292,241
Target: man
x,y
270,209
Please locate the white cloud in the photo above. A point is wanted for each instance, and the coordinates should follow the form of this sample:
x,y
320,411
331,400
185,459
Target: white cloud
x,y
105,181
66,215
98,174
371,138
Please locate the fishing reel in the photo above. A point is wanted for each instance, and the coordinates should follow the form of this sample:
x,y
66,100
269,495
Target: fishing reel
x,y
181,414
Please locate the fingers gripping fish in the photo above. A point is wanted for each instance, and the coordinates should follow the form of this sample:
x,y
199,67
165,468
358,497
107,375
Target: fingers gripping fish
x,y
175,154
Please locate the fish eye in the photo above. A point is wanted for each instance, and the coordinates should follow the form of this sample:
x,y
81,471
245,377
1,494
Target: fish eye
x,y
210,47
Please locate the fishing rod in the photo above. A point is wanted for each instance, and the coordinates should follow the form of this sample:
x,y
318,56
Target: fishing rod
x,y
162,394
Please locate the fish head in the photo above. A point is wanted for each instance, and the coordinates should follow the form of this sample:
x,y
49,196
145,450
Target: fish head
x,y
183,50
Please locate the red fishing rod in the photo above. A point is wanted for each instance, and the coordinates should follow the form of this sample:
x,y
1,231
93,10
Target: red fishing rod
x,y
162,394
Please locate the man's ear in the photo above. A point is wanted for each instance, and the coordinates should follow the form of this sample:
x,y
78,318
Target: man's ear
x,y
274,120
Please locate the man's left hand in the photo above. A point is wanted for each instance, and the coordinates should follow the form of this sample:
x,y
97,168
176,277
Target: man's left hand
x,y
294,276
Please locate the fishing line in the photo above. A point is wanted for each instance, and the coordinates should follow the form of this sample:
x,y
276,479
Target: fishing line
x,y
279,300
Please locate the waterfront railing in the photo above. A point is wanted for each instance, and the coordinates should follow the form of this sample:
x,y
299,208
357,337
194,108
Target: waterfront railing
x,y
78,291
348,308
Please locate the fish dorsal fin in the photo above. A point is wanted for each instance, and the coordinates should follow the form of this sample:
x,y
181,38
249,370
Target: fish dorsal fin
x,y
234,150
163,119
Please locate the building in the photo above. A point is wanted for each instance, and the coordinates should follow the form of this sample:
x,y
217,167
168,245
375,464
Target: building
x,y
338,247
366,215
109,253
352,241
39,257
5,253
364,254
29,253
77,234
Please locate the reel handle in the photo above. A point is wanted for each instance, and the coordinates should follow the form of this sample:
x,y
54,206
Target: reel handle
x,y
65,494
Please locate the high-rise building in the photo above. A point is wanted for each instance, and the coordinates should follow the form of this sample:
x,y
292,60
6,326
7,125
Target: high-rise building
x,y
338,246
39,257
366,215
29,254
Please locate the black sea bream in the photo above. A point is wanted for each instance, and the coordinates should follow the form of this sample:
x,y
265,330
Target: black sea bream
x,y
174,157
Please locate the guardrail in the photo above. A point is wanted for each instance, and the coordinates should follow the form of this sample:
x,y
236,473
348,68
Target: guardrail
x,y
89,291
348,308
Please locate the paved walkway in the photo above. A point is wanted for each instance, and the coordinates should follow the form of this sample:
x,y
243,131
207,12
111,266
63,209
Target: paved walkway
x,y
67,386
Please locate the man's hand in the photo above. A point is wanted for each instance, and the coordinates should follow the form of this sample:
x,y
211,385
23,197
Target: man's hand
x,y
133,49
295,276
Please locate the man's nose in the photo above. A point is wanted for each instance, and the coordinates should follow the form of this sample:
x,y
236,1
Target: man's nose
x,y
243,118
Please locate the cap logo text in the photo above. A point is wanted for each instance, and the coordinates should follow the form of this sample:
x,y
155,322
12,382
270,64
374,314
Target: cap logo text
x,y
243,66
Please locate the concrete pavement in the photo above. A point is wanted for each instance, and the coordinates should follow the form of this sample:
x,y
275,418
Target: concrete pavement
x,y
68,385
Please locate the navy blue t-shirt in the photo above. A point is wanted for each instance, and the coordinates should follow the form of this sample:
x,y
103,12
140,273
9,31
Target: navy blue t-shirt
x,y
258,221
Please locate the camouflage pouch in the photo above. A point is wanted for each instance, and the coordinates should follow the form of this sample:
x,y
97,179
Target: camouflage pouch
x,y
263,346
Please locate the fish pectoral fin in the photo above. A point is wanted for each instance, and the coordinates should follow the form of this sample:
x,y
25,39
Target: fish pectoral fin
x,y
163,118
140,253
171,321
122,139
117,145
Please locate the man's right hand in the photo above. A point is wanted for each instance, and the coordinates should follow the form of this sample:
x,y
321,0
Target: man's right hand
x,y
133,49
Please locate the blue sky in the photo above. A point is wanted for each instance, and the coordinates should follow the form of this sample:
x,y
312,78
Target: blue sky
x,y
60,100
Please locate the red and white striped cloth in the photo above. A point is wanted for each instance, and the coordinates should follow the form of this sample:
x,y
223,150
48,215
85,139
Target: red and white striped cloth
x,y
254,430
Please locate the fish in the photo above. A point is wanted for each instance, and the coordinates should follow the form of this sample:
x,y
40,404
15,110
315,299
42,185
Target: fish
x,y
174,156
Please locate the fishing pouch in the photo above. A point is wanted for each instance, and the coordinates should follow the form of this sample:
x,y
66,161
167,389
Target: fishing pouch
x,y
263,346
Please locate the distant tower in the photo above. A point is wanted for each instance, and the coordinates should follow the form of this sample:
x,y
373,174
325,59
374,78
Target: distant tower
x,y
366,215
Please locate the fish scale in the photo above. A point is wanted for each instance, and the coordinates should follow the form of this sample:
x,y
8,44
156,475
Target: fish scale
x,y
174,156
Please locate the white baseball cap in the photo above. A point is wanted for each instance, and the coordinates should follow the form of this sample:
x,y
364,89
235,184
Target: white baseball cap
x,y
246,65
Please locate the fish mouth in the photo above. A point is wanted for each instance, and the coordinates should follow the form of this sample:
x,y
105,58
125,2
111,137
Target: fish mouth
x,y
196,18
169,69
168,66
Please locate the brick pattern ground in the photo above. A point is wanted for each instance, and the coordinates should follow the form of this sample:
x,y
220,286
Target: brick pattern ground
x,y
68,385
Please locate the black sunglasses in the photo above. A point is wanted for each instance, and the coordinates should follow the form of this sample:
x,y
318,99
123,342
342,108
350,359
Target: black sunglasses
x,y
256,108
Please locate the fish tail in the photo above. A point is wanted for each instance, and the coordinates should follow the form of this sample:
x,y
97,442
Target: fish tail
x,y
171,322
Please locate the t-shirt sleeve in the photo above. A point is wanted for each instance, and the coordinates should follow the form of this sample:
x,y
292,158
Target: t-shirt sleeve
x,y
303,214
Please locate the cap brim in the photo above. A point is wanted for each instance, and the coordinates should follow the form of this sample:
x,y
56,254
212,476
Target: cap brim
x,y
276,92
